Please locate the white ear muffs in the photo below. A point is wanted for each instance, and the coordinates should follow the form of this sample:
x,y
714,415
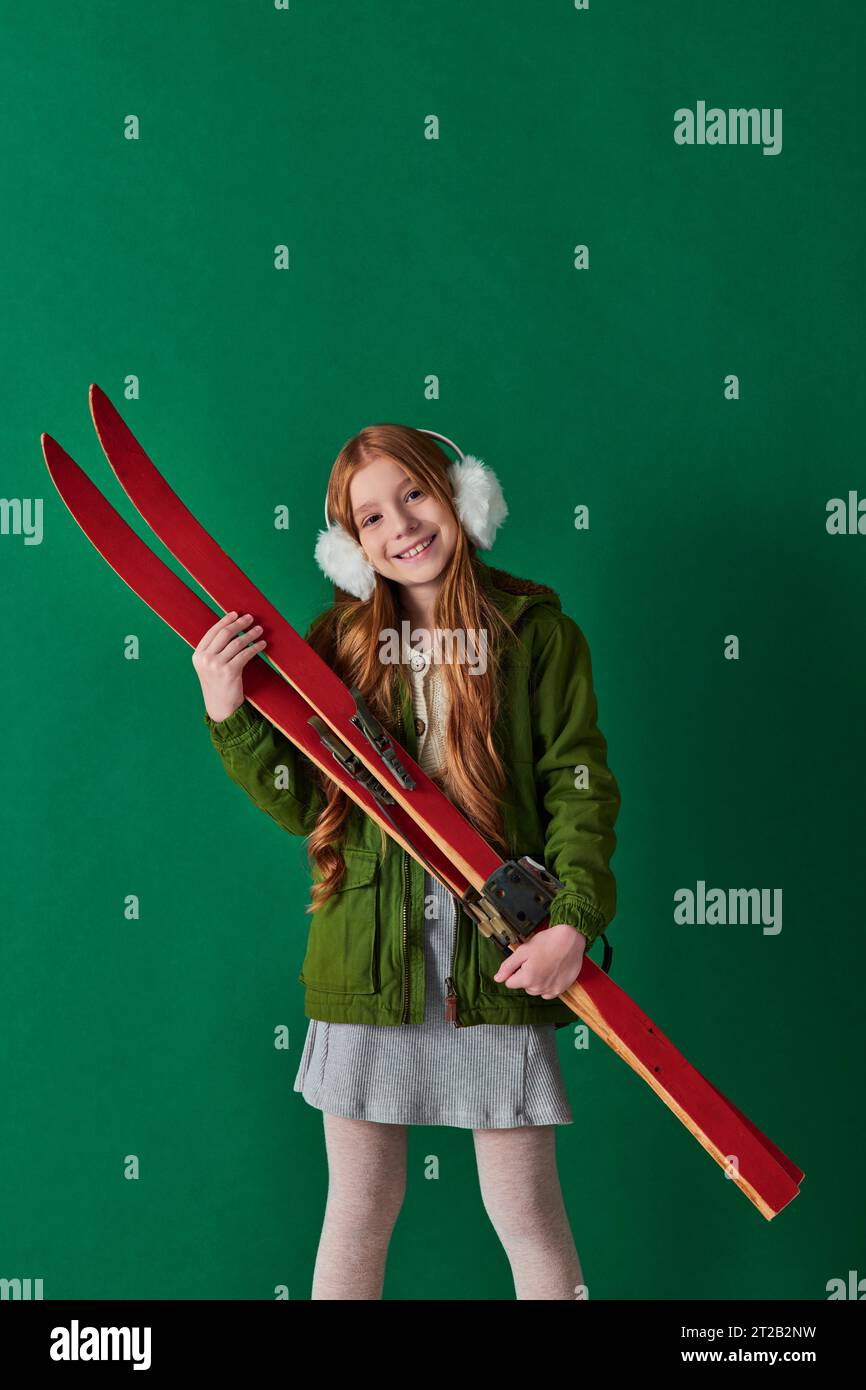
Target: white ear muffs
x,y
478,502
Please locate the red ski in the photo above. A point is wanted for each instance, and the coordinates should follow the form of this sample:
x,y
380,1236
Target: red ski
x,y
183,610
507,900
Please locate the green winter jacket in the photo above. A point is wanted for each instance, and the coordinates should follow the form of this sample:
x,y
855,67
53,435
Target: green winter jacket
x,y
364,960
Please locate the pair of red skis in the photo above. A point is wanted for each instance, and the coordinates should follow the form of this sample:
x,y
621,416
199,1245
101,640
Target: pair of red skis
x,y
308,702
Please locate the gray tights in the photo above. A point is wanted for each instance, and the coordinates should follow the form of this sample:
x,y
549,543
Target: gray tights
x,y
520,1189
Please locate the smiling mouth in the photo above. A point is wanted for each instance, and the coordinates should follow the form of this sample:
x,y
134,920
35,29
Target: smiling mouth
x,y
414,551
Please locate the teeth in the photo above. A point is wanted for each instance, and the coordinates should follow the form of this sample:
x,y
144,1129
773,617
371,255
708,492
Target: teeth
x,y
416,550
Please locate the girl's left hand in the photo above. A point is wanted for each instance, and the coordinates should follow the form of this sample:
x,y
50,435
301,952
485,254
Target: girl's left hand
x,y
546,964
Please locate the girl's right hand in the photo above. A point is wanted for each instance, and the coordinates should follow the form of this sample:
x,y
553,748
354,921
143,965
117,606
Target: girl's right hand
x,y
219,660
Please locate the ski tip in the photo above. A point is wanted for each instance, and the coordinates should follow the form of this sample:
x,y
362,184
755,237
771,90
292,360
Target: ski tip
x,y
55,454
99,406
49,448
98,399
52,453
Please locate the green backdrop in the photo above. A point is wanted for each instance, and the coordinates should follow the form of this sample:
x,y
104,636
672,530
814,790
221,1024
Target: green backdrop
x,y
148,265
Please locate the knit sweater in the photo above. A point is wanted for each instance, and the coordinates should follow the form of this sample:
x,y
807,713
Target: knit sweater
x,y
430,702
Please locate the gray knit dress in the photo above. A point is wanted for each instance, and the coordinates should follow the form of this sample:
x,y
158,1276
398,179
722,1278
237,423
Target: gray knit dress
x,y
489,1076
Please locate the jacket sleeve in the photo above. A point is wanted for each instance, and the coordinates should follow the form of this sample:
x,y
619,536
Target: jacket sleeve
x,y
579,833
253,751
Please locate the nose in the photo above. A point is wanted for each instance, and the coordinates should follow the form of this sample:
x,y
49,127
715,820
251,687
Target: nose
x,y
407,525
403,535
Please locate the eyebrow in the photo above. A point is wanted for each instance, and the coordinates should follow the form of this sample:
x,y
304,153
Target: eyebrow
x,y
363,505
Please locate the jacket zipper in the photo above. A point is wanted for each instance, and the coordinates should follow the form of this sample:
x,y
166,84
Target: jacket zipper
x,y
452,1001
406,933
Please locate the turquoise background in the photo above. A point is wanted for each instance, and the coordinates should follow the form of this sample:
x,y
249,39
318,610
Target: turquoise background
x,y
154,259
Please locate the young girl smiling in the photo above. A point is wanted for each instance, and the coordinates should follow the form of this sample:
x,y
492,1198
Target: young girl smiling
x,y
415,1018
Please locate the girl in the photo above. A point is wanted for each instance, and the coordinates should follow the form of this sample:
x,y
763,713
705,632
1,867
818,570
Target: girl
x,y
415,1017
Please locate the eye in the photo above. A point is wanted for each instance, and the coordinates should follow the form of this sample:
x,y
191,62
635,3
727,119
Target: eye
x,y
374,516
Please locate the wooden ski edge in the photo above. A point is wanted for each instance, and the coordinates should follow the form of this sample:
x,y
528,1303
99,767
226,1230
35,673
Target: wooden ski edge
x,y
617,999
765,1175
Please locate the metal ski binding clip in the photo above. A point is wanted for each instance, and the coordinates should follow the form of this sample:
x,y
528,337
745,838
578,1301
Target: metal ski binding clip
x,y
375,734
513,901
349,760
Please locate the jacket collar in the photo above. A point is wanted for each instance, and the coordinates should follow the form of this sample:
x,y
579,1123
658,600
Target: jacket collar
x,y
511,606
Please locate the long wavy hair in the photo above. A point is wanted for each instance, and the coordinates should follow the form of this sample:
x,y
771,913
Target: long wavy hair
x,y
348,635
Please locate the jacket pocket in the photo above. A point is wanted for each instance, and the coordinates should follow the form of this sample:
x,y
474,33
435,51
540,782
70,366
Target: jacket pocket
x,y
489,958
342,955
